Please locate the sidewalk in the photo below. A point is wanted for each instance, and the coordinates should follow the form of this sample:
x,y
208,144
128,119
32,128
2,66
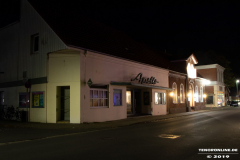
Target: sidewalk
x,y
12,131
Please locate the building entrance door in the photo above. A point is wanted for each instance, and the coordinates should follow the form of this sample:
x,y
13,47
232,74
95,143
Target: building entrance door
x,y
137,99
65,103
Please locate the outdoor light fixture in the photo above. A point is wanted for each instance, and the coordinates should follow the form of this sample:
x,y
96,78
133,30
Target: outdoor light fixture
x,y
189,95
204,96
171,94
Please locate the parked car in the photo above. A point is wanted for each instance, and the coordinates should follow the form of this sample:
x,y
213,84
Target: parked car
x,y
234,103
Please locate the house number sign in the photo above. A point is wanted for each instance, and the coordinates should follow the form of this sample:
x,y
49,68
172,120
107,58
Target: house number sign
x,y
142,80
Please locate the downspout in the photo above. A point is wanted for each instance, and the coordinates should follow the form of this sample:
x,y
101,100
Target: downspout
x,y
47,73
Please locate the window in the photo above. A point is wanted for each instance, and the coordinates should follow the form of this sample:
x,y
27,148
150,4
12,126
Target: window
x,y
23,100
196,94
201,94
174,87
34,43
182,97
209,99
98,97
117,97
160,98
222,77
220,88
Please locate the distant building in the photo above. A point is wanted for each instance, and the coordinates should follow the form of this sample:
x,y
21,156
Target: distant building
x,y
215,90
188,87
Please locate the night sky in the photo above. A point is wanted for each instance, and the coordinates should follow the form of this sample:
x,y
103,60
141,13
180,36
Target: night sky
x,y
177,27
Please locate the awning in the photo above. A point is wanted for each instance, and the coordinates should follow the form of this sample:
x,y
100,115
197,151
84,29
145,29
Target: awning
x,y
139,85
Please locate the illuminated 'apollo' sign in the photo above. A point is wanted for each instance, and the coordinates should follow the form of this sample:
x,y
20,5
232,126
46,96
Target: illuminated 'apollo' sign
x,y
142,80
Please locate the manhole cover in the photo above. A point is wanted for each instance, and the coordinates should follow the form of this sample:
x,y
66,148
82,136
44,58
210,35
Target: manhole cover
x,y
170,136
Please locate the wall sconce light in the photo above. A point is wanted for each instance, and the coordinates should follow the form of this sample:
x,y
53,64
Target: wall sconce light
x,y
171,94
189,95
204,96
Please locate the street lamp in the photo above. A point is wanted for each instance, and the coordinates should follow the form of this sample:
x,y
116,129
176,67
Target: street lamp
x,y
237,81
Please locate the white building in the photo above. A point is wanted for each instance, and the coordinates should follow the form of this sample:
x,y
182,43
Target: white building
x,y
73,69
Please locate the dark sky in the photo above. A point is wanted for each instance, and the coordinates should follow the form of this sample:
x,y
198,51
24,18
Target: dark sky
x,y
179,27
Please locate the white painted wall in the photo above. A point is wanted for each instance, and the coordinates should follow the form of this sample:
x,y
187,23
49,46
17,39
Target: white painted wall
x,y
64,70
103,69
31,23
9,53
39,114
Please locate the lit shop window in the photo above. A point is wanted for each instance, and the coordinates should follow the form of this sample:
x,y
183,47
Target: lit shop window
x,y
160,98
98,98
117,97
182,97
128,97
174,87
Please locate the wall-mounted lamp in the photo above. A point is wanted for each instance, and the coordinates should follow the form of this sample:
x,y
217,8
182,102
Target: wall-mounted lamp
x,y
189,95
171,94
204,96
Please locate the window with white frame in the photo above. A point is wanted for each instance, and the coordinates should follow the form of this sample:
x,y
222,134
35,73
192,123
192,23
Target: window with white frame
x,y
220,88
98,97
160,98
117,97
201,94
182,97
196,94
219,76
34,43
222,76
174,87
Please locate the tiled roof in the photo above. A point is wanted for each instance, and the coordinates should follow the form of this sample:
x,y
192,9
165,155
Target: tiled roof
x,y
79,31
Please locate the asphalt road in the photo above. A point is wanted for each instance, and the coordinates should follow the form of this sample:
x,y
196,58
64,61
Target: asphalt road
x,y
171,139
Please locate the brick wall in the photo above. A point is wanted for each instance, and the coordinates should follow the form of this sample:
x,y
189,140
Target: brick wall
x,y
176,107
210,73
209,89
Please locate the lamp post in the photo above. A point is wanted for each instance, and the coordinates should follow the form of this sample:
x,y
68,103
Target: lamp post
x,y
237,81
